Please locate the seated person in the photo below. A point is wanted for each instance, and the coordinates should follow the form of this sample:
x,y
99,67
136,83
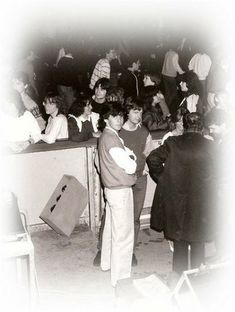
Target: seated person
x,y
57,125
149,91
82,122
99,98
28,96
153,117
19,128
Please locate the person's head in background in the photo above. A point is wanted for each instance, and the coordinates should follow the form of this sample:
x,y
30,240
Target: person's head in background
x,y
190,84
81,107
54,104
109,52
101,88
151,96
115,94
193,122
151,79
133,112
133,63
112,116
217,123
221,100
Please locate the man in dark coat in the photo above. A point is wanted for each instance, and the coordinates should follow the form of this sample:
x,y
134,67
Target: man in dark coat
x,y
184,203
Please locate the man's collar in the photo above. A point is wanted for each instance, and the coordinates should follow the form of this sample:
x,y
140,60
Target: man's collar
x,y
111,129
126,126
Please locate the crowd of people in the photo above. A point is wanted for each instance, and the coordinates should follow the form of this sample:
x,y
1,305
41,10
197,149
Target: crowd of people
x,y
121,98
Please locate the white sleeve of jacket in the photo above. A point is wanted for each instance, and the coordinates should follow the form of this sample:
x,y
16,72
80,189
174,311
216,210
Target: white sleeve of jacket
x,y
123,160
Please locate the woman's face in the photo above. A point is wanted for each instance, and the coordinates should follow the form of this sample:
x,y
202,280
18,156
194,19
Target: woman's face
x,y
100,93
50,107
183,86
87,109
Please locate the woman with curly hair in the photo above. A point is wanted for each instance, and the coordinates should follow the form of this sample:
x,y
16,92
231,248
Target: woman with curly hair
x,y
57,125
190,95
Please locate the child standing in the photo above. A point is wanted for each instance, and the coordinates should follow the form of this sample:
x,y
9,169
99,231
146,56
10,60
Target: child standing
x,y
117,168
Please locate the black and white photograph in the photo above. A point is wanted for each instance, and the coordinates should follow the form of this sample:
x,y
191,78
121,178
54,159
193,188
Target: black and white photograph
x,y
117,156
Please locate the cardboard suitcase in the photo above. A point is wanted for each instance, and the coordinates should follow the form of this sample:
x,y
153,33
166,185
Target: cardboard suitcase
x,y
65,205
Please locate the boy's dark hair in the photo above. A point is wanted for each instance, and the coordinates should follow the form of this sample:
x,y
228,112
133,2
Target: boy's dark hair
x,y
133,103
115,94
77,108
147,95
193,122
106,48
109,109
104,83
149,91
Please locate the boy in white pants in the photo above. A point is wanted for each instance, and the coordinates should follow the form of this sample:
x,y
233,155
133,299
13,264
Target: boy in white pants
x,y
117,169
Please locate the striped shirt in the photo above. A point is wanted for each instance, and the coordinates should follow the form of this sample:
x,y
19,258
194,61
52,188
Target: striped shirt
x,y
101,70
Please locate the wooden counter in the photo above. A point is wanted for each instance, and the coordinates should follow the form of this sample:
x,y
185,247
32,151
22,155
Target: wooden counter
x,y
34,174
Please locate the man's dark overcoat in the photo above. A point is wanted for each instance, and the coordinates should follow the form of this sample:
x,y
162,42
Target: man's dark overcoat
x,y
184,204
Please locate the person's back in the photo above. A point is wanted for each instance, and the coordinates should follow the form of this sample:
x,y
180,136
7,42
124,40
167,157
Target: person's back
x,y
189,155
168,68
200,64
184,205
